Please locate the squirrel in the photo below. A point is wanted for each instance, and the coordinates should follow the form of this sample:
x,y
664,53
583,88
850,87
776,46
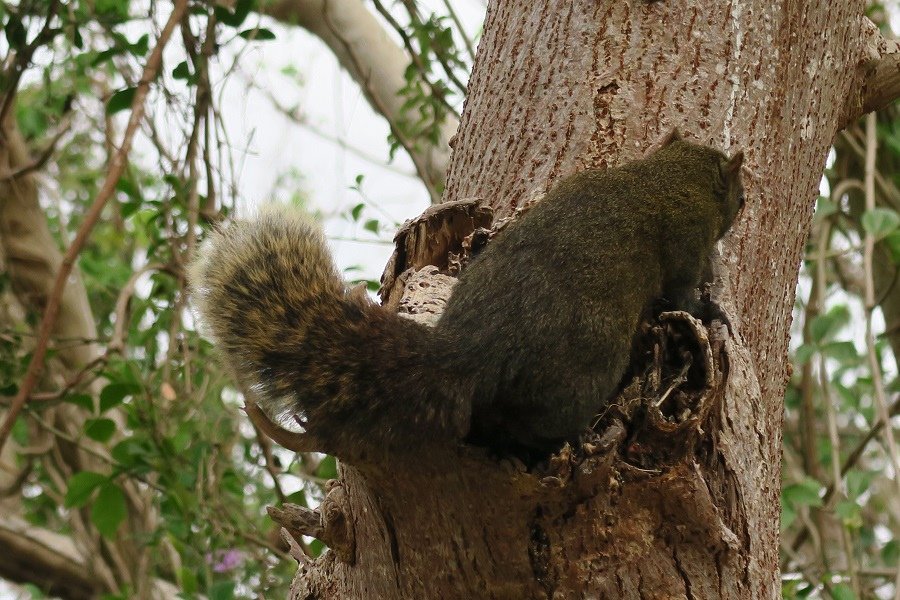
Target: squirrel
x,y
536,334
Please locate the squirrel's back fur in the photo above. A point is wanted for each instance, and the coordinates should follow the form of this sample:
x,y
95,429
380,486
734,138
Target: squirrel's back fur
x,y
535,336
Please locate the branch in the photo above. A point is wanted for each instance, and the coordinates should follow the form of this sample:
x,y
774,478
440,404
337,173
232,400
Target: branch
x,y
376,63
848,464
438,94
23,59
46,559
45,155
396,128
33,257
879,78
52,562
116,167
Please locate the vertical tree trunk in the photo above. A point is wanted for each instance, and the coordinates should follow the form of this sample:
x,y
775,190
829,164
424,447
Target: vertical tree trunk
x,y
562,86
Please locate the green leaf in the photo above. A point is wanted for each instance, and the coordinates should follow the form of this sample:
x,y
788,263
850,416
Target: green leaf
x,y
188,580
120,101
127,186
298,497
890,554
892,241
849,512
858,482
845,352
879,222
788,516
15,32
81,486
805,493
849,397
115,9
114,393
232,483
32,120
356,211
82,400
257,34
327,468
182,439
804,353
825,207
77,38
842,592
826,326
109,509
371,225
99,430
234,18
221,590
131,453
140,47
181,71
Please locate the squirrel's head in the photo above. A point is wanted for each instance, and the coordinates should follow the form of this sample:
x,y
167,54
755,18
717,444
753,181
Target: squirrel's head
x,y
727,186
731,193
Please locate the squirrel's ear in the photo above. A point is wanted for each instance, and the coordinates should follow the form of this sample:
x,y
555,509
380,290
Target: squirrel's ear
x,y
734,163
672,136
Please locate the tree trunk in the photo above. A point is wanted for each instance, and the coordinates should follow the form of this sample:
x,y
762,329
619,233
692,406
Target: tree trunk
x,y
558,87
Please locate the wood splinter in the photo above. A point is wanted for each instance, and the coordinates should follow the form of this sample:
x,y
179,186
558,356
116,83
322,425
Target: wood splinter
x,y
298,520
330,523
294,547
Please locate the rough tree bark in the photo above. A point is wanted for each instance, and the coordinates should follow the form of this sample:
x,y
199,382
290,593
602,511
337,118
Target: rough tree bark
x,y
557,87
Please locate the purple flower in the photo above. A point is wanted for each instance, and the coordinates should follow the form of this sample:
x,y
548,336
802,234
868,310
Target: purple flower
x,y
225,560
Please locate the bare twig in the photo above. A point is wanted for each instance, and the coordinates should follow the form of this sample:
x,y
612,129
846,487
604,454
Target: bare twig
x,y
265,444
834,438
850,462
407,144
807,421
114,173
23,59
117,342
415,57
443,59
45,155
890,193
470,47
295,116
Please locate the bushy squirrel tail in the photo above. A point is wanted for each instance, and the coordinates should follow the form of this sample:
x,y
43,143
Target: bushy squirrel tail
x,y
301,344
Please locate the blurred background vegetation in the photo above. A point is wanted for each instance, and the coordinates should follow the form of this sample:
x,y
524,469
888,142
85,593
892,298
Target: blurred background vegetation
x,y
131,469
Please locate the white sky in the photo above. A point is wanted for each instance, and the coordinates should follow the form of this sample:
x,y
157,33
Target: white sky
x,y
332,102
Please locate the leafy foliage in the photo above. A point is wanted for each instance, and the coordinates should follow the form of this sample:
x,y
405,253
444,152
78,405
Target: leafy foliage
x,y
839,539
156,454
161,453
